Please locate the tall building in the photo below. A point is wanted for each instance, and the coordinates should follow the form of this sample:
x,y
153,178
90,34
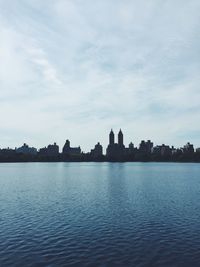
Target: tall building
x,y
115,151
111,138
120,138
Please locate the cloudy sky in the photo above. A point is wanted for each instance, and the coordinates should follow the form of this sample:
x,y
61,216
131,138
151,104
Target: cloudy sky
x,y
76,68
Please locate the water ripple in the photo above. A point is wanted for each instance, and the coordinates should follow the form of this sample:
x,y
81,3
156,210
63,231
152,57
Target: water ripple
x,y
75,214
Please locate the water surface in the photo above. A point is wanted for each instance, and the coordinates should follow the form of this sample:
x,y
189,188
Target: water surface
x,y
100,214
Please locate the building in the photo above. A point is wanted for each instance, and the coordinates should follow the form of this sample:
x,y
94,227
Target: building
x,y
163,150
145,147
131,149
71,151
7,152
115,151
97,152
51,150
188,149
26,150
198,150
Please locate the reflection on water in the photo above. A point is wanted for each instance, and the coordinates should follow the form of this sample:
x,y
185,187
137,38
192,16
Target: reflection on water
x,y
99,214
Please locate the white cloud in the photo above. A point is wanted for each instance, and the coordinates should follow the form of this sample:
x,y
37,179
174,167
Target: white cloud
x,y
74,69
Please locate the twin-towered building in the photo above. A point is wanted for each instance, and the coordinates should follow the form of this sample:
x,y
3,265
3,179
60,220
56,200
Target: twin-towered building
x,y
115,150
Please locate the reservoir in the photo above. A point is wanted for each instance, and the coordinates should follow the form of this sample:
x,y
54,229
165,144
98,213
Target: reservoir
x,y
100,214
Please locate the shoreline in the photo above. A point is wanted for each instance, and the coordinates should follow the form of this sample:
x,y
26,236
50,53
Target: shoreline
x,y
93,161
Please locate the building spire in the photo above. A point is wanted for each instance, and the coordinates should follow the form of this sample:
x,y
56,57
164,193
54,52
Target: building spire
x,y
120,138
111,137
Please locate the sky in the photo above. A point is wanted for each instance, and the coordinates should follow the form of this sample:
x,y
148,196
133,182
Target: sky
x,y
74,69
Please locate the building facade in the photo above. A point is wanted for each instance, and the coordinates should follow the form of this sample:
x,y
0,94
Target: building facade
x,y
115,151
71,151
26,150
97,152
50,150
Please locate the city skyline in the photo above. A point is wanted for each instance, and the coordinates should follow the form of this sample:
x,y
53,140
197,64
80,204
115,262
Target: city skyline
x,y
116,151
75,68
114,140
102,140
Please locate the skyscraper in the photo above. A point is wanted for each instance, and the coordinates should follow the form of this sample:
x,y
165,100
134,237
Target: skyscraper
x,y
120,138
111,138
115,151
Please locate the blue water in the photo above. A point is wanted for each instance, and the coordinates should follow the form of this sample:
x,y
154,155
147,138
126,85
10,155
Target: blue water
x,y
100,214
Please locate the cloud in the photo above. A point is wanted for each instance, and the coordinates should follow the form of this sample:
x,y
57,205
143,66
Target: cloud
x,y
74,69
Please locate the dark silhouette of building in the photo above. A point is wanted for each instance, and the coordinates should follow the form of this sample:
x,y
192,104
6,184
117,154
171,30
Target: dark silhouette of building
x,y
198,150
97,152
7,152
115,151
188,148
120,138
145,147
26,150
163,150
50,150
130,150
111,138
71,151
